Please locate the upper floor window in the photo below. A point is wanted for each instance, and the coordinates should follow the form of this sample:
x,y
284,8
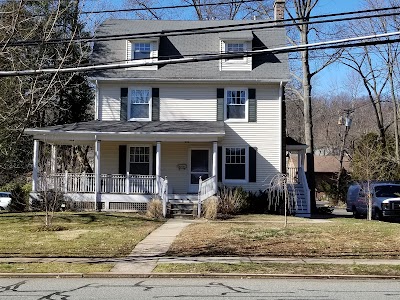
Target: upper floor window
x,y
236,104
235,48
142,51
140,105
240,63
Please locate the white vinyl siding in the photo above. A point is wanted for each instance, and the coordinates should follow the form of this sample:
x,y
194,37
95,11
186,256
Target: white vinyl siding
x,y
109,103
235,64
179,103
264,135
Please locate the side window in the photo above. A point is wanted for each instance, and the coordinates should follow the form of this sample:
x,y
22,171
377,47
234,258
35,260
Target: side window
x,y
236,104
139,105
235,164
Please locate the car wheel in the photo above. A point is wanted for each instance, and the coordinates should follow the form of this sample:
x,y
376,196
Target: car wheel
x,y
356,214
377,214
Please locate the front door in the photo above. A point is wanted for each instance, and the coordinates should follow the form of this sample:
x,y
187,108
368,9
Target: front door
x,y
199,166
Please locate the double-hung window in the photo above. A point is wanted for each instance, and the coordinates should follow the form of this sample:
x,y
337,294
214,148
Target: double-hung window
x,y
236,104
139,160
140,104
141,51
234,48
235,164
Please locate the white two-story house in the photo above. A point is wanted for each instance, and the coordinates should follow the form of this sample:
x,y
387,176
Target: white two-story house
x,y
165,122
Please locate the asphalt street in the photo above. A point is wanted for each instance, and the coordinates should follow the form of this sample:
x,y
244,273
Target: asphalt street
x,y
203,288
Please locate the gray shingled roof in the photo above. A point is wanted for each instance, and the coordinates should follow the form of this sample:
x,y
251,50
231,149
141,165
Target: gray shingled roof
x,y
155,127
265,67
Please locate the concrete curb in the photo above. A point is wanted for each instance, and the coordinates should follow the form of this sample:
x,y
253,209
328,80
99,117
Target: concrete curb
x,y
196,275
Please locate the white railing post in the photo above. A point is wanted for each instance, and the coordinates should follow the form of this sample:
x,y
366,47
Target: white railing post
x,y
35,170
215,165
164,197
199,198
66,182
127,183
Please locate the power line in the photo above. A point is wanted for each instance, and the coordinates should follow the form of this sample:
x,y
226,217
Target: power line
x,y
357,41
210,29
169,7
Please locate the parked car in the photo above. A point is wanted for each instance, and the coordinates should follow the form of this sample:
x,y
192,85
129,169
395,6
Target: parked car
x,y
385,199
5,199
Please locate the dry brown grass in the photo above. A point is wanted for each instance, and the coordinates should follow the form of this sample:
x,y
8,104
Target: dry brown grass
x,y
280,268
338,238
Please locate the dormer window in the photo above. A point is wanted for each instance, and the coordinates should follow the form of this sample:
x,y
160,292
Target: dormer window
x,y
241,63
142,51
235,48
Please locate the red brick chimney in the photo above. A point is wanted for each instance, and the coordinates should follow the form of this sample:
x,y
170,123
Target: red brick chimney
x,y
279,10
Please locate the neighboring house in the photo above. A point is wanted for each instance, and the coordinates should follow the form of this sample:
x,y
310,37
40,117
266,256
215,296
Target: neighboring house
x,y
166,128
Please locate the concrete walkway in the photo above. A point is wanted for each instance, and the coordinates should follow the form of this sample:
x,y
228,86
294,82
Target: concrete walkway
x,y
156,244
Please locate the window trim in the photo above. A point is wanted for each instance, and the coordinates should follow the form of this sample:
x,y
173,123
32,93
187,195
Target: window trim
x,y
235,60
128,158
246,104
247,162
129,118
133,50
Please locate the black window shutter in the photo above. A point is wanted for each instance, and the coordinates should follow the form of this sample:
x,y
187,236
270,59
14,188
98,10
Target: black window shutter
x,y
154,160
219,170
252,164
124,104
252,105
122,159
155,93
220,104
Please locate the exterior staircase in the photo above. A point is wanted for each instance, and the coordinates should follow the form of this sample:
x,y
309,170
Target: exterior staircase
x,y
182,206
300,194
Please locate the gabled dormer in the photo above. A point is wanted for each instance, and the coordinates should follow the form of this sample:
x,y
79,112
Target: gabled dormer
x,y
145,50
236,42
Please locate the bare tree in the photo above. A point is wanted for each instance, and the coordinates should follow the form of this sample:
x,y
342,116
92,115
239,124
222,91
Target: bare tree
x,y
300,15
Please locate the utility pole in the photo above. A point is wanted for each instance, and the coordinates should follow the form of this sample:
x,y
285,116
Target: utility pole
x,y
346,121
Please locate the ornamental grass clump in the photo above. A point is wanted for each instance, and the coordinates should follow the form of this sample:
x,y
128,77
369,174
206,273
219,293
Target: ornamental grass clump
x,y
210,208
155,209
232,200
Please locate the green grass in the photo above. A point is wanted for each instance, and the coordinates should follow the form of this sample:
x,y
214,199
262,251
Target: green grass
x,y
54,267
77,234
265,235
279,268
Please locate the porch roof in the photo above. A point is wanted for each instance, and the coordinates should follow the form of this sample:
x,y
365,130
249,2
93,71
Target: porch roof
x,y
131,131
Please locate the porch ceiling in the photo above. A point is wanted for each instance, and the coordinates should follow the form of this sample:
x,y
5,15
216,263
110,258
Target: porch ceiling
x,y
131,131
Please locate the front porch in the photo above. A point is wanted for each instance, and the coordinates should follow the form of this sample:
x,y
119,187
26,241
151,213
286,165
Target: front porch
x,y
130,169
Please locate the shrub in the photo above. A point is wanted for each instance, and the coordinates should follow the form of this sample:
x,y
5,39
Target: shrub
x,y
155,209
232,200
210,208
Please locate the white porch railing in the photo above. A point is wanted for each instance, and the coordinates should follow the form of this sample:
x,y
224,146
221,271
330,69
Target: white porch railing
x,y
110,183
292,175
207,188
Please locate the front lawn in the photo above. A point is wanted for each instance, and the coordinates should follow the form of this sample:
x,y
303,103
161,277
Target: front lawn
x,y
54,267
79,234
265,235
280,268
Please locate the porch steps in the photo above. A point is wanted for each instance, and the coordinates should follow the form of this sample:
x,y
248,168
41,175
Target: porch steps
x,y
182,209
300,205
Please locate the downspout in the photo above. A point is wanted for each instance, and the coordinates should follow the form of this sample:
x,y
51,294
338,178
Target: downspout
x,y
96,102
282,128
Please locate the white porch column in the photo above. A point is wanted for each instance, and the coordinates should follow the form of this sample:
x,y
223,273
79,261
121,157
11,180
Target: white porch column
x,y
97,180
158,159
215,165
35,170
53,159
158,165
